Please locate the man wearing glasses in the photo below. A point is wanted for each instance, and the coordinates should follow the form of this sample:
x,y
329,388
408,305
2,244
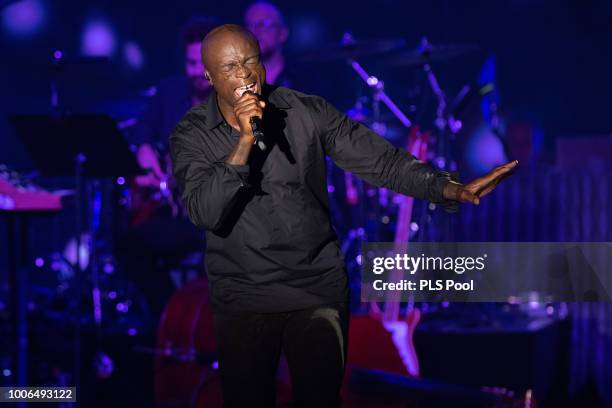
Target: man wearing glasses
x,y
266,22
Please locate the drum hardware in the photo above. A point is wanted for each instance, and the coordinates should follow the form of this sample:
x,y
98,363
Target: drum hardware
x,y
349,49
375,84
427,53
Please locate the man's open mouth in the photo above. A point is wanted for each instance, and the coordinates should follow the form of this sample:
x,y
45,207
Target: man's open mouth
x,y
242,89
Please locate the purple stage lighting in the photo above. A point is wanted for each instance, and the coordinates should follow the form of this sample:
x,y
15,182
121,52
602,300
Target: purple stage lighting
x,y
24,17
98,39
484,150
133,55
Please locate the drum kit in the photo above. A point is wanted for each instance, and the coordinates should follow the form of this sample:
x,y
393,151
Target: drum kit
x,y
371,210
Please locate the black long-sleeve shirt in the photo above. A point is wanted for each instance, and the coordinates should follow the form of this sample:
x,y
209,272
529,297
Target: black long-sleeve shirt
x,y
271,245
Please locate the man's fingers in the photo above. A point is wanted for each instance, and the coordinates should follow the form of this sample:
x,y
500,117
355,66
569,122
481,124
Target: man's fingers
x,y
500,170
482,186
246,103
509,165
248,98
248,106
468,197
505,168
486,190
250,111
488,187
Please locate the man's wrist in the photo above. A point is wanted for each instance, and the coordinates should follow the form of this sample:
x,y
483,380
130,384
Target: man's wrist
x,y
452,191
241,151
247,138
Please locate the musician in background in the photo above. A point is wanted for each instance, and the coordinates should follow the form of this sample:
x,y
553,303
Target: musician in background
x,y
160,237
267,23
173,97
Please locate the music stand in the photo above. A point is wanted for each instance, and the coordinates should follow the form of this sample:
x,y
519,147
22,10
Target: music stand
x,y
84,145
54,143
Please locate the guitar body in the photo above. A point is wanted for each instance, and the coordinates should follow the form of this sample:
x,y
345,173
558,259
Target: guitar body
x,y
382,340
186,330
372,346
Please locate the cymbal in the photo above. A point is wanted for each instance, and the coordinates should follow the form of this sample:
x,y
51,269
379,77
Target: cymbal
x,y
429,53
349,48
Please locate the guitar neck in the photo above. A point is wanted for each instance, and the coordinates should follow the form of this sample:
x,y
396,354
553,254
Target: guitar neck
x,y
417,146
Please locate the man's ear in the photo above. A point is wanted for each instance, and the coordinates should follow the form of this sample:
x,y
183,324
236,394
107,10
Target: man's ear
x,y
207,76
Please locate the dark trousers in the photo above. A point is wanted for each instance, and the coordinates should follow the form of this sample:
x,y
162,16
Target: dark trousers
x,y
314,342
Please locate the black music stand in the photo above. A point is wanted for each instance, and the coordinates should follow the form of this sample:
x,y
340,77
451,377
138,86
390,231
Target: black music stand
x,y
84,145
54,143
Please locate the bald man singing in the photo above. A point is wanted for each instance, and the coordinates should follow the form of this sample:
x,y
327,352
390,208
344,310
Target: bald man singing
x,y
277,276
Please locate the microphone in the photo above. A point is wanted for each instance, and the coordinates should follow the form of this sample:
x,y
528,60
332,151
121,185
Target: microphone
x,y
257,128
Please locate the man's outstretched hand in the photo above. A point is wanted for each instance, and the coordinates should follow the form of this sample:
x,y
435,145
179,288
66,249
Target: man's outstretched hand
x,y
473,191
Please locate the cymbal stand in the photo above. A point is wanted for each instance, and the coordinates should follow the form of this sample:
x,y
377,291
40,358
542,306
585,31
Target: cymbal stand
x,y
444,119
377,85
